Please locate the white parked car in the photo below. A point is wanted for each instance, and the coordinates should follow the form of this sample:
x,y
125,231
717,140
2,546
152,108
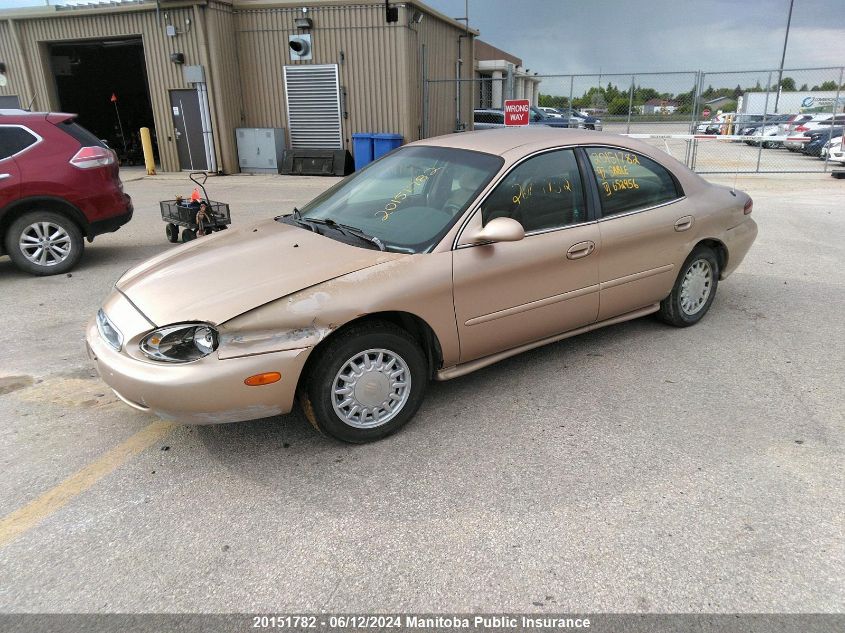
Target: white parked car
x,y
833,150
551,112
816,122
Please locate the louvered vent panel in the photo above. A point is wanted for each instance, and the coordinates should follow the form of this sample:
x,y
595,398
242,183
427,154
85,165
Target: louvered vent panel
x,y
313,104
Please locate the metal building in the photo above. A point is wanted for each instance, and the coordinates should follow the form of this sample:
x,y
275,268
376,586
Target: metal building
x,y
195,71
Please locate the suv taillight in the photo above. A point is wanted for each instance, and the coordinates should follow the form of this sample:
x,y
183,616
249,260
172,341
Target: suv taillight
x,y
748,207
801,128
89,157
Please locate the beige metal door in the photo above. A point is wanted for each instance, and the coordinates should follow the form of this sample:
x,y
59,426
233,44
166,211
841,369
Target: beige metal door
x,y
512,293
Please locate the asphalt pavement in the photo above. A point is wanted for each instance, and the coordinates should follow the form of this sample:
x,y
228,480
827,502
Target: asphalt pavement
x,y
639,468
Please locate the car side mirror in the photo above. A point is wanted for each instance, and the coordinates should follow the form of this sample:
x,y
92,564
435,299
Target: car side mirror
x,y
496,230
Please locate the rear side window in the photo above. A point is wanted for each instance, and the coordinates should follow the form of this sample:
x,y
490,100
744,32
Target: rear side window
x,y
629,181
85,138
14,139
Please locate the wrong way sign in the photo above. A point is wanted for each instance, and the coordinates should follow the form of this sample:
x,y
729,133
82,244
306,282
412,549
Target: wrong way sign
x,y
517,112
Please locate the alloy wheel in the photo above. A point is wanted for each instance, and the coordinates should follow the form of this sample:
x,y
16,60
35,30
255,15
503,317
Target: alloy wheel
x,y
45,243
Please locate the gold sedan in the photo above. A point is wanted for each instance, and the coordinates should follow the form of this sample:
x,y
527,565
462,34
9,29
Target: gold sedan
x,y
443,257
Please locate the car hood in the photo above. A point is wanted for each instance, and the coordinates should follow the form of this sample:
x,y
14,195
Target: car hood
x,y
221,276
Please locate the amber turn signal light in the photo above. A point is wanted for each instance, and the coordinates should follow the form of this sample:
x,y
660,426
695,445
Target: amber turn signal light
x,y
266,378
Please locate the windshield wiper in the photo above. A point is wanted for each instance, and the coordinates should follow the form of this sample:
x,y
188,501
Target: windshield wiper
x,y
345,229
364,236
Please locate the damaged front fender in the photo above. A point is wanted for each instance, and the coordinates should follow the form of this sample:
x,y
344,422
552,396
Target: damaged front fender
x,y
236,341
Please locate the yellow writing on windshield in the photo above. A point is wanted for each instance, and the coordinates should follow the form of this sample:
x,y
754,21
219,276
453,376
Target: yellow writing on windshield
x,y
400,197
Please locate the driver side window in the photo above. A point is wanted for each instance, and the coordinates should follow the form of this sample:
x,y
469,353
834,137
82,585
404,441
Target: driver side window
x,y
544,192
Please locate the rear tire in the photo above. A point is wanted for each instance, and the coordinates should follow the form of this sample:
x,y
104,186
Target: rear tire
x,y
44,243
383,373
694,289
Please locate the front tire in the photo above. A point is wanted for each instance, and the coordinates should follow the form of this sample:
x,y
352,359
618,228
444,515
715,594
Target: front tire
x,y
694,289
366,384
44,243
172,232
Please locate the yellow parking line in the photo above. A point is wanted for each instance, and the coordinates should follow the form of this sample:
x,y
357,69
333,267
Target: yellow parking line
x,y
27,517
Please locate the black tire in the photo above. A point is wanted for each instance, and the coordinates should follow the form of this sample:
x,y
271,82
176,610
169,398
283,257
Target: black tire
x,y
188,235
172,233
672,310
316,396
54,265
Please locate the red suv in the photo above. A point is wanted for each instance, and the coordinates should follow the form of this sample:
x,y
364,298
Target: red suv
x,y
58,184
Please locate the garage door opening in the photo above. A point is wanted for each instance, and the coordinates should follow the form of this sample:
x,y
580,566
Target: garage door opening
x,y
105,82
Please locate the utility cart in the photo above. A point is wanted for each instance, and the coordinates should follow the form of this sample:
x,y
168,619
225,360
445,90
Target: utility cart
x,y
196,216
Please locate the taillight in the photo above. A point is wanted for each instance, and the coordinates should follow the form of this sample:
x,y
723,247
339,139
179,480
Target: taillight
x,y
748,206
801,128
93,156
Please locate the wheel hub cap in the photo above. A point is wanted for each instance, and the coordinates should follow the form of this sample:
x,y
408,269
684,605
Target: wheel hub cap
x,y
371,388
696,287
45,243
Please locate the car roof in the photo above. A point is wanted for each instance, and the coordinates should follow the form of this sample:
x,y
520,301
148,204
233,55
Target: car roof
x,y
501,140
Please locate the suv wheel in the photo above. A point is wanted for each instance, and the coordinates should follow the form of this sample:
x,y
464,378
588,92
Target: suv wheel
x,y
44,243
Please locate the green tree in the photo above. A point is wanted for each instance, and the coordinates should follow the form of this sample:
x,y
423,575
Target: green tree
x,y
803,87
788,84
619,105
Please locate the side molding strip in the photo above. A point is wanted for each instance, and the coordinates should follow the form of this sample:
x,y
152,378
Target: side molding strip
x,y
457,371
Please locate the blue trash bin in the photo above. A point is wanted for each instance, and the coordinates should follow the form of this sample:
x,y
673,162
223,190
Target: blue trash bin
x,y
362,149
384,143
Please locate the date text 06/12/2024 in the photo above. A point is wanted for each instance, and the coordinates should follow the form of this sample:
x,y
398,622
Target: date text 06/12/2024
x,y
421,622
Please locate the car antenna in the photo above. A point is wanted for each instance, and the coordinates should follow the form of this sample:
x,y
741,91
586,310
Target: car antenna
x,y
31,101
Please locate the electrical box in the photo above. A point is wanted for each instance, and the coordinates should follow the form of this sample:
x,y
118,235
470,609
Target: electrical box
x,y
260,149
193,74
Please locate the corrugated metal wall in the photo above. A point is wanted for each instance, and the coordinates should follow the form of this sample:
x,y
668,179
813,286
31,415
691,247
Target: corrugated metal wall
x,y
244,51
438,42
15,71
371,56
227,102
162,74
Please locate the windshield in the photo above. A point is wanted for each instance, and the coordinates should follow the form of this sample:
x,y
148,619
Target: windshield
x,y
410,198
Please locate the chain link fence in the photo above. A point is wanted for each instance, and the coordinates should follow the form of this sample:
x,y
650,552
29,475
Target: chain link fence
x,y
714,122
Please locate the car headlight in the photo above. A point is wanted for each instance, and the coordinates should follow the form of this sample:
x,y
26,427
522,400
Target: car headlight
x,y
181,343
108,331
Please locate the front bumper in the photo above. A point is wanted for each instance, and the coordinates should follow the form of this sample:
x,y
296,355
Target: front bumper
x,y
207,391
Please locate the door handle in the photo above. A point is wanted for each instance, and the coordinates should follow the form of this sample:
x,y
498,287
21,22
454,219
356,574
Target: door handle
x,y
177,133
684,223
4,176
581,249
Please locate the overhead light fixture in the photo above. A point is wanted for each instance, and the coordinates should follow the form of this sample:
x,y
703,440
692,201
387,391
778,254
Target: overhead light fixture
x,y
303,23
417,17
177,58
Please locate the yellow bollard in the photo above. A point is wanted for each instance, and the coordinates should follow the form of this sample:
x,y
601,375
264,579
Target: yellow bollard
x,y
147,144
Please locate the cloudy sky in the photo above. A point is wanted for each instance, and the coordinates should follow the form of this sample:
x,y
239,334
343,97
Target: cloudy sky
x,y
581,36
623,36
